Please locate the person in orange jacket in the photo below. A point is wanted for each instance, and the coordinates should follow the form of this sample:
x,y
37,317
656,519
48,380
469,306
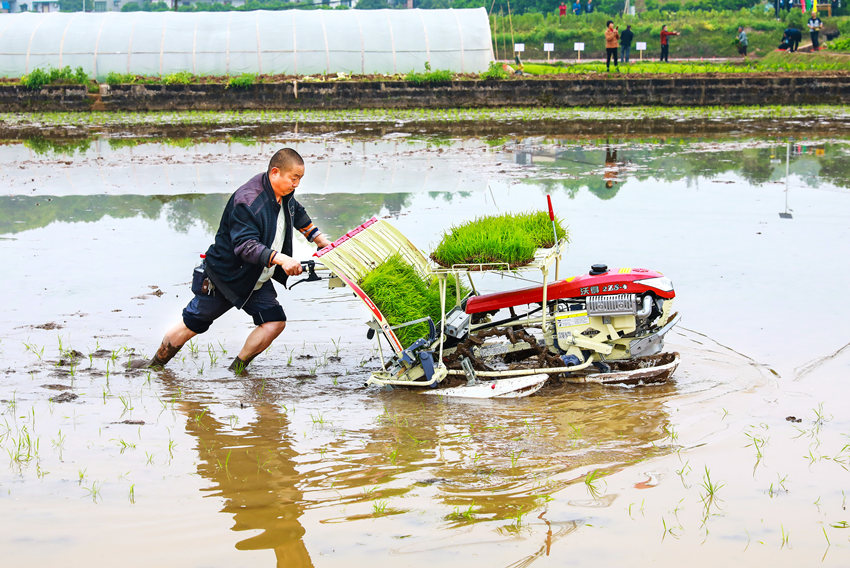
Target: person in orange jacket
x,y
612,44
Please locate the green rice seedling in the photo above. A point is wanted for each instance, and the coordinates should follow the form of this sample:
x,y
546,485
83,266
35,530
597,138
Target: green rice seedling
x,y
515,458
35,349
379,507
94,491
686,469
510,239
592,483
212,354
126,401
709,497
403,296
149,458
132,494
393,455
59,443
226,465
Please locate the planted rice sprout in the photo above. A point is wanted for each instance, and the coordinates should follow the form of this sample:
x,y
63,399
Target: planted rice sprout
x,y
709,497
379,507
592,482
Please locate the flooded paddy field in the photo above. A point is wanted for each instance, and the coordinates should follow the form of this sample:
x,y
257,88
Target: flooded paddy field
x,y
743,455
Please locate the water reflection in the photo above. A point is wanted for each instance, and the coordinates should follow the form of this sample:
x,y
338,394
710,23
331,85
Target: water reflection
x,y
334,213
252,468
568,166
416,459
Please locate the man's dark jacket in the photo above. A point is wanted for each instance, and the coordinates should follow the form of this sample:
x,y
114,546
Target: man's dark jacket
x,y
626,38
245,234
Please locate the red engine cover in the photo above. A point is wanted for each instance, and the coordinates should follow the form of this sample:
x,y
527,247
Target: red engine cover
x,y
615,281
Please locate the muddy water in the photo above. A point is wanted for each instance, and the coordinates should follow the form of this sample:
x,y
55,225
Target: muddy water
x,y
743,456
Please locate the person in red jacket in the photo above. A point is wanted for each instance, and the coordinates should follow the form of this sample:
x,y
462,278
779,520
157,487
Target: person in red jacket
x,y
665,46
562,9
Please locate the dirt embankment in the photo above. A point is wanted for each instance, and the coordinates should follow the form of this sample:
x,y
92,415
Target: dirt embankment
x,y
577,90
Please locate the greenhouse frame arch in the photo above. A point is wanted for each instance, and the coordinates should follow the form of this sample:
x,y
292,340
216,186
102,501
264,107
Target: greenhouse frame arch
x,y
293,42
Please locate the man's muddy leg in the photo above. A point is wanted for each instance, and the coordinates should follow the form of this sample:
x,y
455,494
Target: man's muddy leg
x,y
173,341
256,343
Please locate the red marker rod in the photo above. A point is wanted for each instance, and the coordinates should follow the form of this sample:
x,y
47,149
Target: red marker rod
x,y
552,218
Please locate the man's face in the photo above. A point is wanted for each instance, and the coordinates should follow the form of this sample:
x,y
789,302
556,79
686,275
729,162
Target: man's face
x,y
284,182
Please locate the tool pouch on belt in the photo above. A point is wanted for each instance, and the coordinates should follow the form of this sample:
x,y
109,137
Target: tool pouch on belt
x,y
201,283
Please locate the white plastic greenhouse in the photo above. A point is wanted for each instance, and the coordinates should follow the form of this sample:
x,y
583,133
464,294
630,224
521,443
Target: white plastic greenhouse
x,y
296,42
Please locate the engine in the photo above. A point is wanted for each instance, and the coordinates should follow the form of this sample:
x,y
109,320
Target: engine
x,y
616,326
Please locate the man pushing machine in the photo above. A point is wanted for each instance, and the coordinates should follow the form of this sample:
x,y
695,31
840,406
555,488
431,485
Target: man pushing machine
x,y
253,245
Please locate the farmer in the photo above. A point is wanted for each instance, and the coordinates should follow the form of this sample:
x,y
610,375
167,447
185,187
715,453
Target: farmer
x,y
792,36
815,24
665,46
612,42
253,244
741,38
576,8
626,43
562,10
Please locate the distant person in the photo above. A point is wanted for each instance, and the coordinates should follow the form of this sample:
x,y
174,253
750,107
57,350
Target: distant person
x,y
611,171
612,43
815,24
520,68
665,46
562,10
793,38
741,38
576,8
626,43
588,8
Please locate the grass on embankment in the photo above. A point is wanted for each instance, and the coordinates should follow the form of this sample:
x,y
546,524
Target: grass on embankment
x,y
506,239
777,61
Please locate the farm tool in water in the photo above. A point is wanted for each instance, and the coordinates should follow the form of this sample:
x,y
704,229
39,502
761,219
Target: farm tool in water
x,y
605,326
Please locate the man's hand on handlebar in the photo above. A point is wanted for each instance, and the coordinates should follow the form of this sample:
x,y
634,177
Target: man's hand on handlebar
x,y
291,266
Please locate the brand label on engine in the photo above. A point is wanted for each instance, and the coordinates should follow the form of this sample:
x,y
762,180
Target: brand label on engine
x,y
566,321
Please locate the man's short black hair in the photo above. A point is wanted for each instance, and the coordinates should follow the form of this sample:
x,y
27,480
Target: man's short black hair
x,y
285,159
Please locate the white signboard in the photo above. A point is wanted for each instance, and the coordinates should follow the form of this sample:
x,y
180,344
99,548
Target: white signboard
x,y
548,47
578,46
519,47
640,46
